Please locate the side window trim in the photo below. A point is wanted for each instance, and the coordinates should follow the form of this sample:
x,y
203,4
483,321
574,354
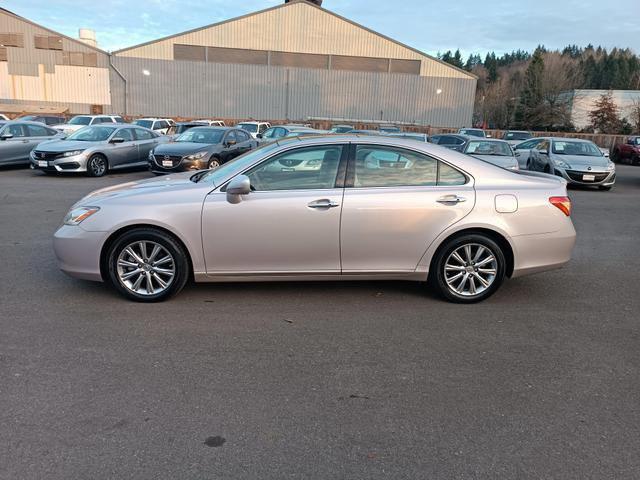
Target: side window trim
x,y
351,169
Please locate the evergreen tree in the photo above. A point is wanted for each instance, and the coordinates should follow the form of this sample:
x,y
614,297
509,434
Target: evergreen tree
x,y
532,96
605,117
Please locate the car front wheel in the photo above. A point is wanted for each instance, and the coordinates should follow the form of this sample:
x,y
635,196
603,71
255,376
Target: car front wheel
x,y
97,166
147,265
468,269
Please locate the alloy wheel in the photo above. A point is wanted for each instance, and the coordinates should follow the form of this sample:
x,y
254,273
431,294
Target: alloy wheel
x,y
146,268
214,163
98,166
470,269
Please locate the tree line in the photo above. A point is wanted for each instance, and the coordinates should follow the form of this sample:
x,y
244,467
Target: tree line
x,y
530,90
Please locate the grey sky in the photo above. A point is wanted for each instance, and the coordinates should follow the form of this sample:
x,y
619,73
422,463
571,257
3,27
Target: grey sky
x,y
429,26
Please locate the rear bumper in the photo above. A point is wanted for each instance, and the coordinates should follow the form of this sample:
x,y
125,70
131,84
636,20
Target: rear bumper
x,y
78,252
543,252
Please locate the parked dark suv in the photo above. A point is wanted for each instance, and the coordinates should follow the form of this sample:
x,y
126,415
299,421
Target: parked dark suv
x,y
46,119
199,148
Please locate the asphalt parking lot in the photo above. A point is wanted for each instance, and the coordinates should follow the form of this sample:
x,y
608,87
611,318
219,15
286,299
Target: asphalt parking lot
x,y
319,380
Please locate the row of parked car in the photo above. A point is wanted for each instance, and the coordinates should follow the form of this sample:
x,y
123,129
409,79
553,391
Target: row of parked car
x,y
96,144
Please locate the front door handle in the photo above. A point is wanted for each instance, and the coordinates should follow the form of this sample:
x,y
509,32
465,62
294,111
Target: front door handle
x,y
451,200
324,203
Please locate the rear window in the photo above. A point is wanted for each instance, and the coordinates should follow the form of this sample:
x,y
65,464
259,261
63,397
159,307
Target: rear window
x,y
144,123
249,127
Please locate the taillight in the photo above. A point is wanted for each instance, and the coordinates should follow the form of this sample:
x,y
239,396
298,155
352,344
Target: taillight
x,y
563,203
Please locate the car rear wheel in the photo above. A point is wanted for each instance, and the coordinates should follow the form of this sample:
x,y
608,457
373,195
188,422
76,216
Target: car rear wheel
x,y
147,265
97,166
468,269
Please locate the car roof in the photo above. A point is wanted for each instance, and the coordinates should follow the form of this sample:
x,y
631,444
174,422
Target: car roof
x,y
489,140
251,122
25,122
568,139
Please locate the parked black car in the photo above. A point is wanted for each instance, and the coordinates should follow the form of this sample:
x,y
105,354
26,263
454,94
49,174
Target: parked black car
x,y
46,119
200,148
450,140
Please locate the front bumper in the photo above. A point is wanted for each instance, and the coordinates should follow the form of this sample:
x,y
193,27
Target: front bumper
x,y
75,163
604,178
78,251
183,165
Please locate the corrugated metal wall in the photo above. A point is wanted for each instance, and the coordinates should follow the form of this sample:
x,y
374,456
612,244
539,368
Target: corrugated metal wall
x,y
197,89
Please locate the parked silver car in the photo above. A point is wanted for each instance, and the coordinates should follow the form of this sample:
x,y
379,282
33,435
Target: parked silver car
x,y
497,152
523,151
371,208
18,138
97,149
577,161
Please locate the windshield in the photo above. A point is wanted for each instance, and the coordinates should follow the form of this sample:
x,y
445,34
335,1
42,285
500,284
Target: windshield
x,y
498,149
249,127
517,136
28,118
80,121
144,123
92,134
635,141
201,135
473,133
583,149
218,175
182,128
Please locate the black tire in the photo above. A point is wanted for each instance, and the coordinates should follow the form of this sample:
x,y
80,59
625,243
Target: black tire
x,y
605,189
97,165
214,162
528,164
635,160
180,263
547,169
437,272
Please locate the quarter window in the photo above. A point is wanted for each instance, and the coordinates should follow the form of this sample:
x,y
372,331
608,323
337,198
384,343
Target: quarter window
x,y
300,169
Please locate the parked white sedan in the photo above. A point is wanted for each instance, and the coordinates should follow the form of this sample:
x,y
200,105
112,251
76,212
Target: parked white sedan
x,y
324,208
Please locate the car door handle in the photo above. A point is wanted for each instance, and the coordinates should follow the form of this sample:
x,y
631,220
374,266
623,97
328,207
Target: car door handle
x,y
451,200
324,203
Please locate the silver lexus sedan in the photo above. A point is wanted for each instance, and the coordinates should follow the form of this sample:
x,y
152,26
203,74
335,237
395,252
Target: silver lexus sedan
x,y
97,149
323,208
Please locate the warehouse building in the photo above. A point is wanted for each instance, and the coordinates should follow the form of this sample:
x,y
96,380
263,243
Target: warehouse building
x,y
42,70
294,61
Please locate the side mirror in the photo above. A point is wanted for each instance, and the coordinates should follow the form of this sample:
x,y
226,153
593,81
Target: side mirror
x,y
117,140
543,152
240,185
6,136
259,135
230,143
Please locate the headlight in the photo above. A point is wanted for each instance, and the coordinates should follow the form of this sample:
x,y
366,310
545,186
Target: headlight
x,y
561,163
73,153
611,166
80,214
196,156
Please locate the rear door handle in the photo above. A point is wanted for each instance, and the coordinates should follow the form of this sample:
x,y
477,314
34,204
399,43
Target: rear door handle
x,y
451,200
324,203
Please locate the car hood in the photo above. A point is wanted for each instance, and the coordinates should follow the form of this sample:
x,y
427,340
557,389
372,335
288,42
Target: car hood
x,y
59,146
152,186
182,148
505,162
578,161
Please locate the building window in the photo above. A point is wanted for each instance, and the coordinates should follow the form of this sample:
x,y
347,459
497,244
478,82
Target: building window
x,y
11,39
237,55
300,60
47,42
193,53
405,66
